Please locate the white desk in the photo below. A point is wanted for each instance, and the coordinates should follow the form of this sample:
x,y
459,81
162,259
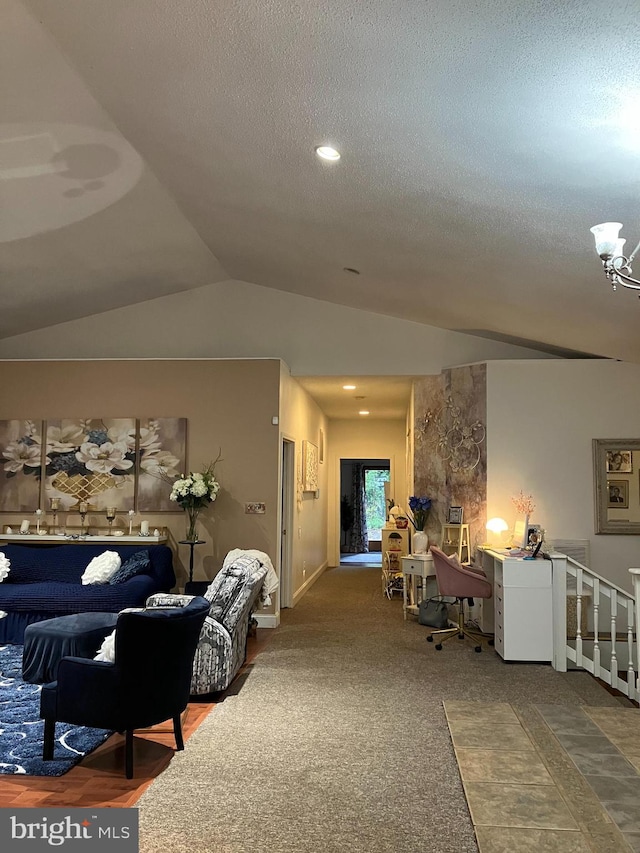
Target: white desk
x,y
416,569
520,615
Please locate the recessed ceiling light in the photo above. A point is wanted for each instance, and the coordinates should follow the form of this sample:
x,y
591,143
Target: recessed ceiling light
x,y
363,412
327,152
349,387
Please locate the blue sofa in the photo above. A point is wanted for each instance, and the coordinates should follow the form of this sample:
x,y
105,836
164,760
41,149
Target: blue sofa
x,y
44,582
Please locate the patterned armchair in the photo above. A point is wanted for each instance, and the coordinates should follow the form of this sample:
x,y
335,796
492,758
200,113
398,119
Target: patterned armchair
x,y
221,650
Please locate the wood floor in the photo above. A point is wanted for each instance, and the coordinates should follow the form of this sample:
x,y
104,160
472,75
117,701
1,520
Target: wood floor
x,y
99,780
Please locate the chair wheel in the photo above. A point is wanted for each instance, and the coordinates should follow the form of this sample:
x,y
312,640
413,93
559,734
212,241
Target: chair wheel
x,y
461,636
429,639
478,648
439,647
490,642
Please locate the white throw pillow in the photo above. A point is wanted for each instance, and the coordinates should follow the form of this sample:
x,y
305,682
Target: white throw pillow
x,y
5,563
101,568
107,650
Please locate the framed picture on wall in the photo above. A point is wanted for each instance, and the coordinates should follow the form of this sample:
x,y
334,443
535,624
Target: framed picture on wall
x,y
454,515
619,461
618,494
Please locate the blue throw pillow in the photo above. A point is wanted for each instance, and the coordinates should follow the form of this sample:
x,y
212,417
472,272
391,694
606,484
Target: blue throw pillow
x,y
137,564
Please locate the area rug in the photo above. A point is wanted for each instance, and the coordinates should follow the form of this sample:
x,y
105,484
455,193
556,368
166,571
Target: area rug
x,y
22,730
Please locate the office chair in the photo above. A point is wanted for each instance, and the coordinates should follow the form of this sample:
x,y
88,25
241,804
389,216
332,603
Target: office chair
x,y
146,684
461,583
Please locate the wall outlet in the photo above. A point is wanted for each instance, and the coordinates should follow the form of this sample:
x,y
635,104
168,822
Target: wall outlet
x,y
255,508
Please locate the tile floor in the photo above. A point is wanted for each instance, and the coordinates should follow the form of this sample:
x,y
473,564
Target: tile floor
x,y
549,777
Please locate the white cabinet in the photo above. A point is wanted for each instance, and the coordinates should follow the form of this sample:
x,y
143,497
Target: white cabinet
x,y
522,606
396,539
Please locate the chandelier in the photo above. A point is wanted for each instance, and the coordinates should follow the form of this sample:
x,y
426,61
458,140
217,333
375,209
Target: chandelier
x,y
609,246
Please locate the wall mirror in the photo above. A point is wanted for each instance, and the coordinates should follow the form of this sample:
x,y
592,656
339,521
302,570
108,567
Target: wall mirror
x,y
616,467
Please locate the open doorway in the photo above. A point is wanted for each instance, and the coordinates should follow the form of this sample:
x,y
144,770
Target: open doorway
x,y
363,509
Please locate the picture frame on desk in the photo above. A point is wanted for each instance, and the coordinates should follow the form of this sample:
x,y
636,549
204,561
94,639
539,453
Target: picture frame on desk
x,y
454,515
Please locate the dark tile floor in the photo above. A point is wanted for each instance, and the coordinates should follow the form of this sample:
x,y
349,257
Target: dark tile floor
x,y
549,777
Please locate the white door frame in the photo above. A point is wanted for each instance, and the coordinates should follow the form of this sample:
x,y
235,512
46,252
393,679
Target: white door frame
x,y
287,497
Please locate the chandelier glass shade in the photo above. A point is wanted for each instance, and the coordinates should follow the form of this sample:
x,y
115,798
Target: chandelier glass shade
x,y
610,248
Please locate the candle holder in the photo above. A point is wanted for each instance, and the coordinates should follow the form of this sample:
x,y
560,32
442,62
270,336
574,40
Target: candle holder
x,y
83,509
111,514
131,515
55,506
38,519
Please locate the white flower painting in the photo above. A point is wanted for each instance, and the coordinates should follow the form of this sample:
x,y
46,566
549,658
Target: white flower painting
x,y
20,466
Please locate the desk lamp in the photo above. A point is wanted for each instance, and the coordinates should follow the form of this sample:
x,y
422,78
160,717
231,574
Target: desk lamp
x,y
496,526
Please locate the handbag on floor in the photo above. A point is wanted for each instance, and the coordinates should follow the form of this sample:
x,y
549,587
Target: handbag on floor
x,y
433,612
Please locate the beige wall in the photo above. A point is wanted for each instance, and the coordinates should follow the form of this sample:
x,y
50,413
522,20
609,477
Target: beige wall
x,y
228,404
363,439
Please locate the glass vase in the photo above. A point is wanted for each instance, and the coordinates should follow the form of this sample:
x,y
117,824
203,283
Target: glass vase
x,y
192,517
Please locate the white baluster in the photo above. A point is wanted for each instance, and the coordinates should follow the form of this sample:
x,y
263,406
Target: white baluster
x,y
596,627
635,578
614,637
579,617
631,675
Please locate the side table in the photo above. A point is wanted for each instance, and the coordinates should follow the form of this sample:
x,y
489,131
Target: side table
x,y
192,544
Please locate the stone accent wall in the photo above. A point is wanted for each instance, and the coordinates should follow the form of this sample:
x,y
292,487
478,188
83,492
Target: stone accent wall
x,y
449,480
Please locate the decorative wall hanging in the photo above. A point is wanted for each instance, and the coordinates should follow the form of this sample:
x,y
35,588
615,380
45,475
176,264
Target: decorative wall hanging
x,y
455,441
21,449
91,460
161,458
310,466
97,462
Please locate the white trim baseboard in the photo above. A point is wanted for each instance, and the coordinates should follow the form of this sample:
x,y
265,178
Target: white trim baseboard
x,y
267,620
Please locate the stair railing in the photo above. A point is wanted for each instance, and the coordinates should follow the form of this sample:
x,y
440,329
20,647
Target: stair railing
x,y
604,625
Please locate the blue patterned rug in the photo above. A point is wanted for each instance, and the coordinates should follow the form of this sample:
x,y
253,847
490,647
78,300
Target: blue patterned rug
x,y
22,730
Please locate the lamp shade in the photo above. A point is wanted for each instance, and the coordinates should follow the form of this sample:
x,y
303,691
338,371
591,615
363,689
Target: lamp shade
x,y
497,525
606,237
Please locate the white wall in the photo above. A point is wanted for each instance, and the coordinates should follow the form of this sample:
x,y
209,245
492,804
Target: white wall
x,y
301,420
541,419
362,439
233,319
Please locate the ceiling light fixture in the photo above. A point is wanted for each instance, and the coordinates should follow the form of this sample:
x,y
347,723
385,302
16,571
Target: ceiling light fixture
x,y
363,412
609,246
349,387
327,152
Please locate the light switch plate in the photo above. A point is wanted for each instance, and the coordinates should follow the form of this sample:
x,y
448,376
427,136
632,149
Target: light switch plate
x,y
255,508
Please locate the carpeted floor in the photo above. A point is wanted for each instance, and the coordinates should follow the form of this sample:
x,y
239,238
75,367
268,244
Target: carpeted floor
x,y
337,740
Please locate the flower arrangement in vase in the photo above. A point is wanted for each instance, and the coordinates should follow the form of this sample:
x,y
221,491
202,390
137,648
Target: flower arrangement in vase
x,y
420,508
193,493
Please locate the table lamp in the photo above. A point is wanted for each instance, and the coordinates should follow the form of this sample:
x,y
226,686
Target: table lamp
x,y
496,526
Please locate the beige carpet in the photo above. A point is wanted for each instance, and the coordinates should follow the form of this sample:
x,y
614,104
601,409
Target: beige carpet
x,y
337,740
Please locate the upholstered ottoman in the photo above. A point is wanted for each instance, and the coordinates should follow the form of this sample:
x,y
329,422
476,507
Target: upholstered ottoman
x,y
47,642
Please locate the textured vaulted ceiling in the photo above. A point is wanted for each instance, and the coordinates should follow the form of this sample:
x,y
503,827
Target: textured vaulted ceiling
x,y
154,146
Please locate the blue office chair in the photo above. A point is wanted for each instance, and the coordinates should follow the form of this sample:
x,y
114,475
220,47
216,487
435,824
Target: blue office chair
x,y
147,683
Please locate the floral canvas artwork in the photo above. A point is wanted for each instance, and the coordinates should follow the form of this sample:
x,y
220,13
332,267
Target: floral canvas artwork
x,y
162,455
92,460
21,454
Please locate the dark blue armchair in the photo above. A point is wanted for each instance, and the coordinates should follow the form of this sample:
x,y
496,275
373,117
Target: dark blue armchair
x,y
146,684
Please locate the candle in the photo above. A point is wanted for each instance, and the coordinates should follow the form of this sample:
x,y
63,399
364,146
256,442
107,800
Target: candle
x,y
144,528
55,503
83,506
24,526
